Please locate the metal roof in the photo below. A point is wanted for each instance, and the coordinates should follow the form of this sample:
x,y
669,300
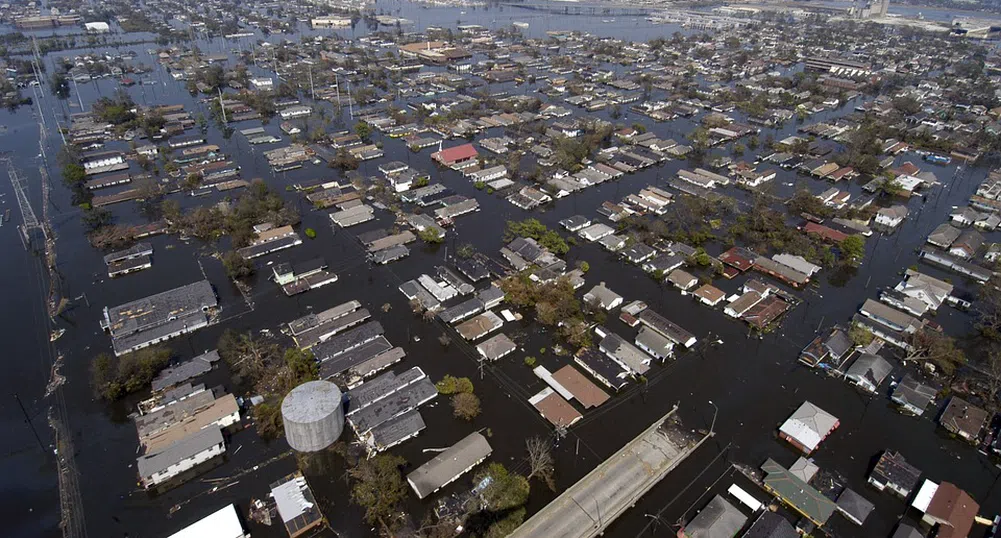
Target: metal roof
x,y
449,465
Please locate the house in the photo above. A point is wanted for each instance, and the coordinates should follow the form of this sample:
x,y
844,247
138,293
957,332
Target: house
x,y
988,222
869,371
180,456
771,525
964,216
807,427
449,465
963,419
892,472
626,355
709,294
832,348
742,304
946,507
967,244
682,279
603,297
890,317
596,232
654,343
944,235
798,263
223,523
295,504
892,216
457,156
719,519
906,531
296,111
797,494
912,395
575,223
930,291
854,506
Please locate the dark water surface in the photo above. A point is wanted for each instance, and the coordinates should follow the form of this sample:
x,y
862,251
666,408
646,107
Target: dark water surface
x,y
754,382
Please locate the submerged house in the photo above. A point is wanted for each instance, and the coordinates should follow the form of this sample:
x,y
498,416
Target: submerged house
x,y
807,427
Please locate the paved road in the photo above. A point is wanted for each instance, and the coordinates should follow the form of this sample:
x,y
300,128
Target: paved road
x,y
589,506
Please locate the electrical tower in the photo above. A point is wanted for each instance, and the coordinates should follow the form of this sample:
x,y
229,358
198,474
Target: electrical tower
x,y
30,226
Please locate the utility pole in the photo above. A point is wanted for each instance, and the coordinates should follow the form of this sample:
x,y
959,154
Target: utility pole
x,y
351,110
222,105
312,94
27,421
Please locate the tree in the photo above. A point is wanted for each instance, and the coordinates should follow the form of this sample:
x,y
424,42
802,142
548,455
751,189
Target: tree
x,y
454,385
504,490
363,130
508,525
988,309
465,405
97,218
114,377
268,418
74,174
237,267
853,250
379,488
935,348
344,160
431,235
540,461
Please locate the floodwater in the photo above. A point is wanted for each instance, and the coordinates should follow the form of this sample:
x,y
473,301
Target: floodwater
x,y
754,383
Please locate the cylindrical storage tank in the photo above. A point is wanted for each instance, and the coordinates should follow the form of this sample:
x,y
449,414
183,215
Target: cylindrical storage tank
x,y
313,416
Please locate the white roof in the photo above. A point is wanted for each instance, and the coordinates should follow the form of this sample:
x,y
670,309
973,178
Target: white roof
x,y
224,523
809,425
290,500
925,495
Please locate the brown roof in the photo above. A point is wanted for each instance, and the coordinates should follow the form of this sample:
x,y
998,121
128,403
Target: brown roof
x,y
587,393
956,508
710,293
556,410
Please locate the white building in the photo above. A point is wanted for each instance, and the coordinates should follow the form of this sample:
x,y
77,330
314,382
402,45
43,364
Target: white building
x,y
262,83
180,456
296,111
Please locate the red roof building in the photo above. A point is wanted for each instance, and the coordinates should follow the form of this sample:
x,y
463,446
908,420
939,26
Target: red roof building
x,y
828,234
739,258
455,155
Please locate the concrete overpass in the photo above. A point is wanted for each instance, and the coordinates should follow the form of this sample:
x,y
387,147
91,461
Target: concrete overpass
x,y
588,507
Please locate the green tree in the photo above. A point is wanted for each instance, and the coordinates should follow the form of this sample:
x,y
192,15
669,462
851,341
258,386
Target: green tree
x,y
237,267
114,377
379,488
431,235
363,130
74,174
505,490
454,385
853,249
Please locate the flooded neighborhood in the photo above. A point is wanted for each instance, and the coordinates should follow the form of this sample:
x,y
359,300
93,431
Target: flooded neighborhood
x,y
443,268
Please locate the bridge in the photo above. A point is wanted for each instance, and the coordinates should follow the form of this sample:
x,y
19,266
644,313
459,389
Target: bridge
x,y
588,507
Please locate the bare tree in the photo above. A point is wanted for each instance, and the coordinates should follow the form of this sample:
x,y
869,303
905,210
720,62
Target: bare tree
x,y
927,345
540,461
992,376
